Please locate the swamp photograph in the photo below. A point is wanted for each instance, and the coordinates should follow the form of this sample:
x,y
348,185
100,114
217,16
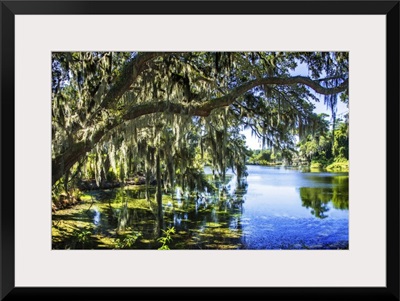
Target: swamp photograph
x,y
200,150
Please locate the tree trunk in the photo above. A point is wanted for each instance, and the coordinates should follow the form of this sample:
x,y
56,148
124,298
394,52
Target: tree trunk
x,y
148,174
159,189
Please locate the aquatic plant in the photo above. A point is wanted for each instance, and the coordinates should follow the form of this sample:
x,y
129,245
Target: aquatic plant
x,y
82,235
167,238
128,241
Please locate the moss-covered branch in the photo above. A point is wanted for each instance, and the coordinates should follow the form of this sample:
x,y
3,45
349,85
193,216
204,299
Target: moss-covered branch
x,y
66,160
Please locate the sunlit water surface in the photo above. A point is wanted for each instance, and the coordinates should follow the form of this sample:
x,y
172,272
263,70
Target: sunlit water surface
x,y
278,208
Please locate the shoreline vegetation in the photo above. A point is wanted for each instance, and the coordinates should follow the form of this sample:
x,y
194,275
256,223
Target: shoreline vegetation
x,y
342,166
268,158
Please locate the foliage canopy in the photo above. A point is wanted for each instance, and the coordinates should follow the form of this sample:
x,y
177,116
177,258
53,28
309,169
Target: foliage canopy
x,y
167,114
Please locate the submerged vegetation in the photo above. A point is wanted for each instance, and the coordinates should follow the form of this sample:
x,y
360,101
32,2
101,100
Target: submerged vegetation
x,y
159,119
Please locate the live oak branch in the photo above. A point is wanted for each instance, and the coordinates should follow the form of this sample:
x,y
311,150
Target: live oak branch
x,y
122,101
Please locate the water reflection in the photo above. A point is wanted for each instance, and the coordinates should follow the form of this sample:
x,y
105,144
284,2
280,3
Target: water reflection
x,y
318,198
270,211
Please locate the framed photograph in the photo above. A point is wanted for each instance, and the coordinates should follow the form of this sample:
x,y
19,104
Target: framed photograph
x,y
171,149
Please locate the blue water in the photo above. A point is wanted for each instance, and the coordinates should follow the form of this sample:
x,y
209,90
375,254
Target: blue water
x,y
274,215
278,208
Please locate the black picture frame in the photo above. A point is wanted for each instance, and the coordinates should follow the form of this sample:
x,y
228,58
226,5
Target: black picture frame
x,y
11,8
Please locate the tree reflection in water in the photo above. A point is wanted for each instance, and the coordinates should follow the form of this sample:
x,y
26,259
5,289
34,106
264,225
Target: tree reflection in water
x,y
318,198
264,215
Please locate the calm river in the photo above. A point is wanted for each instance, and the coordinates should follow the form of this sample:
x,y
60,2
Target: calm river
x,y
279,208
289,209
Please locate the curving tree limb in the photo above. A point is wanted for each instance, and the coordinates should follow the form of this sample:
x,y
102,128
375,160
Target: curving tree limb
x,y
66,160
